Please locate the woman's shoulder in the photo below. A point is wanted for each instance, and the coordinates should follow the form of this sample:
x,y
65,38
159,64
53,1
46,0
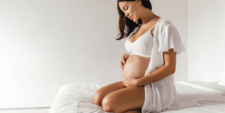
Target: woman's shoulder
x,y
163,23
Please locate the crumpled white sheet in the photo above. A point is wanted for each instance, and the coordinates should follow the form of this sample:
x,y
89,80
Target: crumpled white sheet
x,y
78,98
209,95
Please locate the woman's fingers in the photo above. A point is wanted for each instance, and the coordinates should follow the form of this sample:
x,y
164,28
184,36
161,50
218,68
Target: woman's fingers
x,y
124,83
121,64
123,60
125,57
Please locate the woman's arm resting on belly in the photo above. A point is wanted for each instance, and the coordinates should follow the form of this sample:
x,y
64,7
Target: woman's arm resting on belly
x,y
167,69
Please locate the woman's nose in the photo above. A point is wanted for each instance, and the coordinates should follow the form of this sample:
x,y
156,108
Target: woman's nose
x,y
127,14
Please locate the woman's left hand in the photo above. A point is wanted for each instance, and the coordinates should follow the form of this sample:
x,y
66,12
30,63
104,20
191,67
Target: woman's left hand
x,y
130,82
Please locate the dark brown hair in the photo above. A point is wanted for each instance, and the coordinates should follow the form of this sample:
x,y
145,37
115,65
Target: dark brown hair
x,y
127,25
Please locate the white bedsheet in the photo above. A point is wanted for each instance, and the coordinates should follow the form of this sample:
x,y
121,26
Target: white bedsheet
x,y
78,98
209,95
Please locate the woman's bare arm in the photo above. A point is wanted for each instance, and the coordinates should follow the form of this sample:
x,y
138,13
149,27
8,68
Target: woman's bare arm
x,y
167,69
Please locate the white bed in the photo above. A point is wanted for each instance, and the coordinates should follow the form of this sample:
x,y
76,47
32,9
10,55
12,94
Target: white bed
x,y
78,98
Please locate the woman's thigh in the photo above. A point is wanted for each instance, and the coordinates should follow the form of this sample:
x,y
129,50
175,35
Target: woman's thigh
x,y
123,100
102,92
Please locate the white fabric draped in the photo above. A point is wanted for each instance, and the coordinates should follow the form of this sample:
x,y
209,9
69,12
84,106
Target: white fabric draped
x,y
162,95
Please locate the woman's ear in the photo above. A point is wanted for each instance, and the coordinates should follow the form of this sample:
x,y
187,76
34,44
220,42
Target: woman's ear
x,y
139,2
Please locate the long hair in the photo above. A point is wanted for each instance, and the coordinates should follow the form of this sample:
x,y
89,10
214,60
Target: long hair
x,y
126,26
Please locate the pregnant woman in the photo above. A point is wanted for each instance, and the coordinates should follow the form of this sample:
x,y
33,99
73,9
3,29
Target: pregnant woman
x,y
147,83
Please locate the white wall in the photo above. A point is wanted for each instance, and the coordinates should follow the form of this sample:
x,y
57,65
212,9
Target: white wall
x,y
47,44
206,39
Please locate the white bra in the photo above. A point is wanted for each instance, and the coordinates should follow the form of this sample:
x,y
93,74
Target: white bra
x,y
141,46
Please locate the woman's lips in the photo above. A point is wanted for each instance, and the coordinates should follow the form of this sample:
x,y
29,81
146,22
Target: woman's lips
x,y
131,17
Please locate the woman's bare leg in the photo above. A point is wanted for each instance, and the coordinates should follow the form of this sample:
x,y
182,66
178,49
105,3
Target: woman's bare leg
x,y
102,92
124,100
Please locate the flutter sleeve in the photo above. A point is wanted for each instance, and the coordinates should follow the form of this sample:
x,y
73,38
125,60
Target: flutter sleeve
x,y
170,38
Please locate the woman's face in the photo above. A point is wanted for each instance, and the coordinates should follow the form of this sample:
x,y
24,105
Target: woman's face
x,y
130,9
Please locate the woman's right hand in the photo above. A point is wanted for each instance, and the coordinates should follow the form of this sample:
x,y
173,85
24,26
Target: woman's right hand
x,y
123,60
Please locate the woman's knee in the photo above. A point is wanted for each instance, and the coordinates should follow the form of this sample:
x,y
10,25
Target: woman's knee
x,y
107,105
98,97
110,104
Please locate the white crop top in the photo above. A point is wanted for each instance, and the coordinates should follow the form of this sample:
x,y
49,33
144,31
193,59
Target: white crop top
x,y
142,46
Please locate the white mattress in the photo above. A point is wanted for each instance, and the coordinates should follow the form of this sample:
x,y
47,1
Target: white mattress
x,y
78,98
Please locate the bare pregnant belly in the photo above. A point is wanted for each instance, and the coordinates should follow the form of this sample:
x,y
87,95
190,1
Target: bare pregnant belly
x,y
135,66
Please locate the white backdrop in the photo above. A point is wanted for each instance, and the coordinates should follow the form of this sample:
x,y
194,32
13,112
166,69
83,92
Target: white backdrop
x,y
46,44
206,39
